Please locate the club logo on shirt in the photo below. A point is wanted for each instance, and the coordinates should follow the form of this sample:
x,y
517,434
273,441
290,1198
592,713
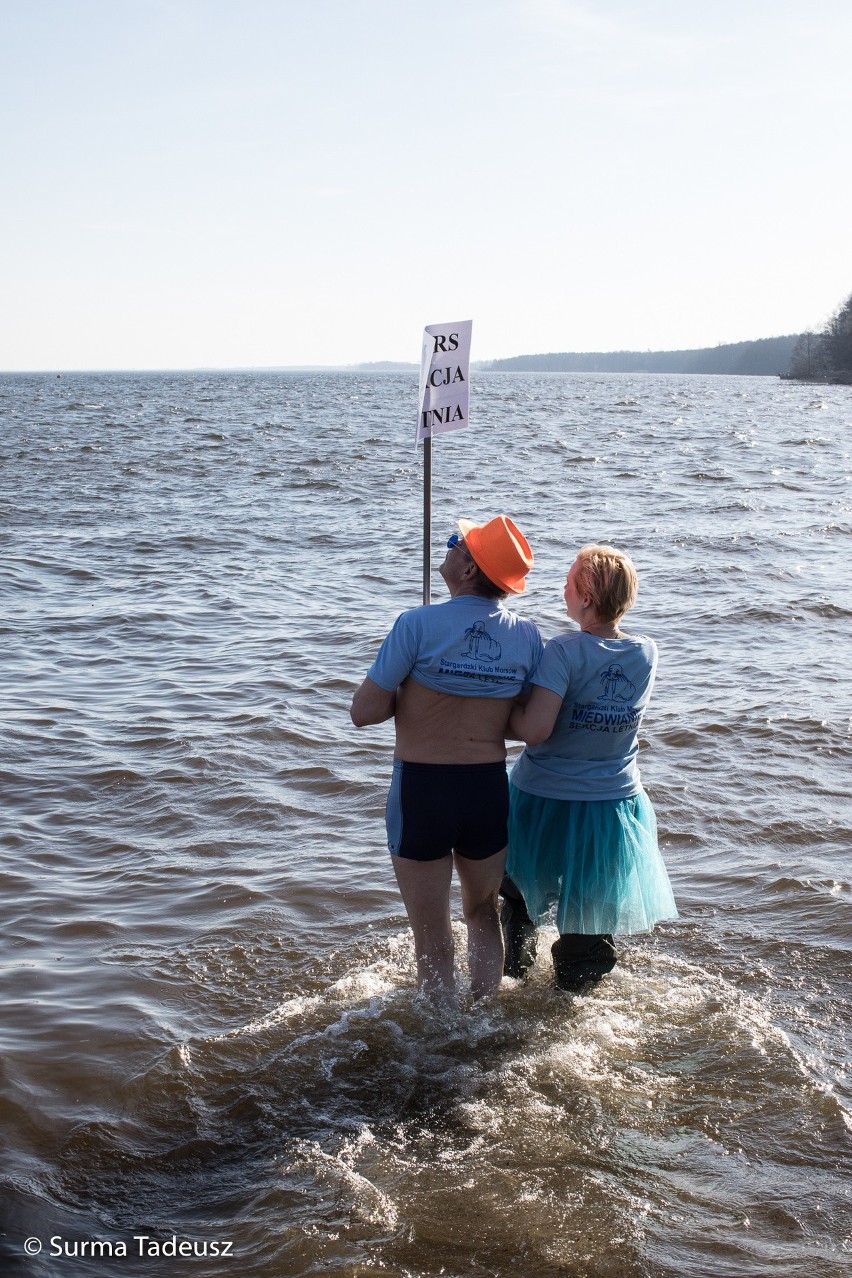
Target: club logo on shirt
x,y
480,645
479,659
614,709
616,685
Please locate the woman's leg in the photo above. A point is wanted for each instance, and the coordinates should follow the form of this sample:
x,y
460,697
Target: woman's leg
x,y
480,881
425,888
580,961
519,932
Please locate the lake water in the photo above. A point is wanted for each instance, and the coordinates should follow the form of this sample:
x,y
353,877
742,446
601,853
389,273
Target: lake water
x,y
210,1032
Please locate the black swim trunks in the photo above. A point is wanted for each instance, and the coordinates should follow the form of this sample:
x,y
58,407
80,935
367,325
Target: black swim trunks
x,y
434,809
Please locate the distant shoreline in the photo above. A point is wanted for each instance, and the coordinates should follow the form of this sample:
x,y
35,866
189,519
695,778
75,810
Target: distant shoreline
x,y
763,357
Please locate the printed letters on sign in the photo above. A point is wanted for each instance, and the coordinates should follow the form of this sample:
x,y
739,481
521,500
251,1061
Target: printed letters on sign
x,y
444,390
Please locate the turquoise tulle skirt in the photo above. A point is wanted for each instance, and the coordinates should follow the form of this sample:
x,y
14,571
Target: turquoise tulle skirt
x,y
597,860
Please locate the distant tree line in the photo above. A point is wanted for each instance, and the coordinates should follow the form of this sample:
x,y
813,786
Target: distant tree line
x,y
766,357
826,356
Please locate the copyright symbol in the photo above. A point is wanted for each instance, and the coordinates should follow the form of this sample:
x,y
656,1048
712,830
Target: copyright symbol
x,y
32,1246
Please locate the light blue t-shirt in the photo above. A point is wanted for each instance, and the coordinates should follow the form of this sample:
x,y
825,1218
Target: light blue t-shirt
x,y
467,646
591,753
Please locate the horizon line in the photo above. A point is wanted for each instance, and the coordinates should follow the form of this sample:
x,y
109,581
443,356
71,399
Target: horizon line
x,y
378,365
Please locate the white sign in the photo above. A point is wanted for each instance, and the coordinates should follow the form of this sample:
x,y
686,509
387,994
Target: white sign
x,y
444,379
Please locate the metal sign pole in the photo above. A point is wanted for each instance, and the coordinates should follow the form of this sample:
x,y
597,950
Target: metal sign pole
x,y
427,518
444,395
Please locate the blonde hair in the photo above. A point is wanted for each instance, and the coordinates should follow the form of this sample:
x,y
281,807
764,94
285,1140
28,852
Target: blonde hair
x,y
607,578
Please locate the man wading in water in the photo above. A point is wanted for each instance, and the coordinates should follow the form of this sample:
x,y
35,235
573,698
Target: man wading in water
x,y
448,675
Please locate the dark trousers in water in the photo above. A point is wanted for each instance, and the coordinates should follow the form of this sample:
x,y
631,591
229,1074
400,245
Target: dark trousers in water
x,y
519,931
578,960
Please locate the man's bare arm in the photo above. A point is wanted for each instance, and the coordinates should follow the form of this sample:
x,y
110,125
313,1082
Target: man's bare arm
x,y
372,704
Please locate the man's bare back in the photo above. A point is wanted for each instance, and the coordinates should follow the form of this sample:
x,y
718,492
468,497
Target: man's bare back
x,y
437,727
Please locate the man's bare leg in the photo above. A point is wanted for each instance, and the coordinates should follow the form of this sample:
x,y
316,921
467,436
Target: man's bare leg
x,y
479,883
425,888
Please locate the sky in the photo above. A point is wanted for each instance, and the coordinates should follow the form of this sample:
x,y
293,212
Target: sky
x,y
250,183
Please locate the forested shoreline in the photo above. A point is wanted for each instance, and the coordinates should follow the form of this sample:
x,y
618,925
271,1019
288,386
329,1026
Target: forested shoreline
x,y
823,355
765,357
826,355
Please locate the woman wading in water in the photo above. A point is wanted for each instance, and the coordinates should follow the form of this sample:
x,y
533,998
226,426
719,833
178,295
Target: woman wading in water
x,y
582,831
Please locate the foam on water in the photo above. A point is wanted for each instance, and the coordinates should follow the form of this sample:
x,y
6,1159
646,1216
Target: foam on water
x,y
529,1128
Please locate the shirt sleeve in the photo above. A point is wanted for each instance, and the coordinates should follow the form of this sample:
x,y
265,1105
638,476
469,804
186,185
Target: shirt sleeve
x,y
537,649
396,658
553,671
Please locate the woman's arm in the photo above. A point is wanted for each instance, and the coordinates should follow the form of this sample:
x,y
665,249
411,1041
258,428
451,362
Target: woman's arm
x,y
371,704
533,722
